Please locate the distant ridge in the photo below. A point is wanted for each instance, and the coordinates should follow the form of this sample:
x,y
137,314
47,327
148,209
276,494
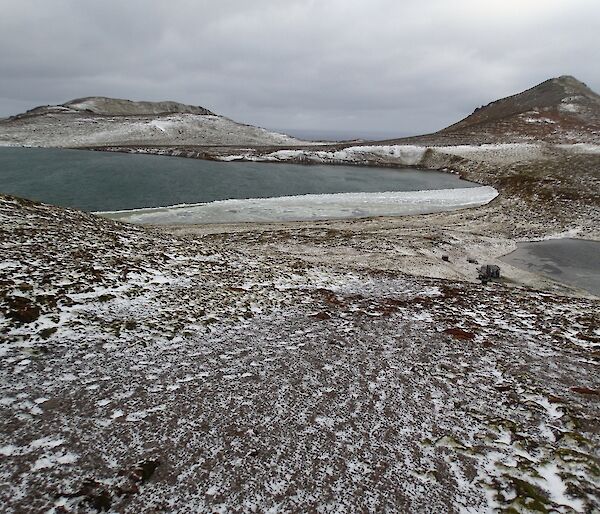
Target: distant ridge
x,y
559,110
103,121
116,106
105,106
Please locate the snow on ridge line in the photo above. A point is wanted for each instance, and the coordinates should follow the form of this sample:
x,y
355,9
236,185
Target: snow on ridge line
x,y
312,207
399,154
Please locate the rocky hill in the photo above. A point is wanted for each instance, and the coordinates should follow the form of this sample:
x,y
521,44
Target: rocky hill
x,y
559,110
557,117
98,121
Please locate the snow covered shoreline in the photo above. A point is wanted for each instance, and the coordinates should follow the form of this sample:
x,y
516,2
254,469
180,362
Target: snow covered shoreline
x,y
411,155
453,158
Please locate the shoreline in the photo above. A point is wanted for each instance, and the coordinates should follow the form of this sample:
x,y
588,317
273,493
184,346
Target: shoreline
x,y
310,207
479,169
422,241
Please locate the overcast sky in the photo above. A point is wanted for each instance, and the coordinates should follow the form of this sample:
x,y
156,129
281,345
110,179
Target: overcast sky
x,y
368,67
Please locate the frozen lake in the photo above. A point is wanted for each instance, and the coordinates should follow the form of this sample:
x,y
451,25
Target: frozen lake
x,y
214,192
572,261
313,207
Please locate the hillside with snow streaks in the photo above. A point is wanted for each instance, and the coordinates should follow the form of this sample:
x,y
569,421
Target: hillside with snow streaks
x,y
413,155
283,369
99,121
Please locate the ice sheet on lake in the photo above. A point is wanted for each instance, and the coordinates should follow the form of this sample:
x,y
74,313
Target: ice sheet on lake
x,y
312,207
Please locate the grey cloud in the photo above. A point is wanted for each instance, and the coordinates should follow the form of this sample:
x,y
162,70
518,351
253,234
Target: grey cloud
x,y
383,66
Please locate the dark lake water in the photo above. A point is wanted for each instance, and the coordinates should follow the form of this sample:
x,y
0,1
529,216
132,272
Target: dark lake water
x,y
95,181
573,261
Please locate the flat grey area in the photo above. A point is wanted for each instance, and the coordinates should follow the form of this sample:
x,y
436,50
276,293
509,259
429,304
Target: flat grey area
x,y
572,261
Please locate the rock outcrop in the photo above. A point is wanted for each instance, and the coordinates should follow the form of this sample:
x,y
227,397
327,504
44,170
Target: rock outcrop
x,y
105,106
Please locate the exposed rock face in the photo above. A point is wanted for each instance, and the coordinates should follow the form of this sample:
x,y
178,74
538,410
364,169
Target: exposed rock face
x,y
100,121
114,106
561,109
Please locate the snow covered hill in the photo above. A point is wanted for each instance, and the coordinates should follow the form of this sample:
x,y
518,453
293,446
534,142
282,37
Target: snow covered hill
x,y
98,121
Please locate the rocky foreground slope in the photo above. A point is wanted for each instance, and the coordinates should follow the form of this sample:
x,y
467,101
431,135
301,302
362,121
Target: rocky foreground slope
x,y
148,372
109,121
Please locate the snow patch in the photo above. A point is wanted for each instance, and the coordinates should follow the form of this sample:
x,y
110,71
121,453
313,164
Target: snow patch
x,y
408,155
587,148
158,125
569,107
557,488
52,460
538,120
